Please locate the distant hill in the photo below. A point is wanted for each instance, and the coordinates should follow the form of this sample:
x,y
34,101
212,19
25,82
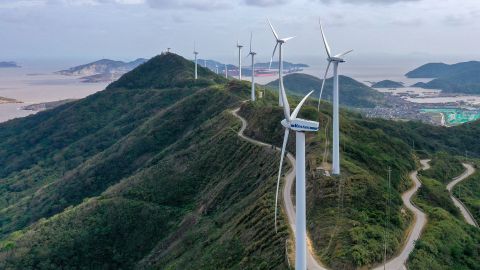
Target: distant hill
x,y
387,84
102,67
352,93
4,100
456,78
9,65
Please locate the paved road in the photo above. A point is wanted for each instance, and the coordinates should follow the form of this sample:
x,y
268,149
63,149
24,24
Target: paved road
x,y
469,170
420,219
312,263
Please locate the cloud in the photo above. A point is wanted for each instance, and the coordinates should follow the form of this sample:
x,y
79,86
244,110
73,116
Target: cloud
x,y
189,4
382,2
265,3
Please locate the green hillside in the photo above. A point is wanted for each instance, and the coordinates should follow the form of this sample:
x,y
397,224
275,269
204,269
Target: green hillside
x,y
346,215
150,174
447,241
352,93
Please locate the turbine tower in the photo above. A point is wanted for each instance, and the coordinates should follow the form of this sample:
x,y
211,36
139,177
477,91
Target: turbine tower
x,y
239,60
335,59
279,43
300,126
196,54
226,71
252,53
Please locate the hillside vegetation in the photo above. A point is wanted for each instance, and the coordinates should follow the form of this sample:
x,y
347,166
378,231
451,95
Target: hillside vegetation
x,y
468,191
447,241
150,174
346,215
352,93
444,167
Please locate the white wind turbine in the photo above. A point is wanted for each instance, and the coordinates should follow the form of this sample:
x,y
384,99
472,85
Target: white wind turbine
x,y
252,53
335,59
300,126
196,54
279,43
239,60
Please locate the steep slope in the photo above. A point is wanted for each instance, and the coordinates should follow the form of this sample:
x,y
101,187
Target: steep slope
x,y
174,174
352,93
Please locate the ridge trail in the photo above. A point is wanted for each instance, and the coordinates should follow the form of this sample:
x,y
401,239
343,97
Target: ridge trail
x,y
312,263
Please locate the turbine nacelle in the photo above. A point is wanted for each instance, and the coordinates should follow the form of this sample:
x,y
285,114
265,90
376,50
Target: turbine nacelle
x,y
336,59
301,125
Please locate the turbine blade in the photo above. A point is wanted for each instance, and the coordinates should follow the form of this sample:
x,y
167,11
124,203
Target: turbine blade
x,y
286,105
299,106
273,54
327,48
323,84
344,53
287,39
273,30
285,140
251,37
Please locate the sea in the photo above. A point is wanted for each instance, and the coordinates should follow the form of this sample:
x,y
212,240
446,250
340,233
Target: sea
x,y
36,82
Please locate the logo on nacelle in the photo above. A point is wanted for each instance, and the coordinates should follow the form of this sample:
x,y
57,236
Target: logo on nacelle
x,y
301,125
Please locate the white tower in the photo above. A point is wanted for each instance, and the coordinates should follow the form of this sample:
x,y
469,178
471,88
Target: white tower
x,y
336,59
239,60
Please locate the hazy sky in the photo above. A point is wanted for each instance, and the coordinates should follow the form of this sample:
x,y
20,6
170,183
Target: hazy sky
x,y
126,29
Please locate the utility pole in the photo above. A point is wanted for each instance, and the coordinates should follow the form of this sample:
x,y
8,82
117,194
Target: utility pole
x,y
387,202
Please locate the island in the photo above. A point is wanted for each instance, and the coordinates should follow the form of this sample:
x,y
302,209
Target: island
x,y
9,65
104,70
457,78
4,100
387,84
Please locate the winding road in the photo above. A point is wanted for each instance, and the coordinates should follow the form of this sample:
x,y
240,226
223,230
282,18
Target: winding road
x,y
469,170
420,220
312,263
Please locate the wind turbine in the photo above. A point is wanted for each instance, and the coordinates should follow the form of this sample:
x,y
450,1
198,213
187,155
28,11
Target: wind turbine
x,y
239,60
226,71
300,126
335,59
196,54
279,43
252,53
